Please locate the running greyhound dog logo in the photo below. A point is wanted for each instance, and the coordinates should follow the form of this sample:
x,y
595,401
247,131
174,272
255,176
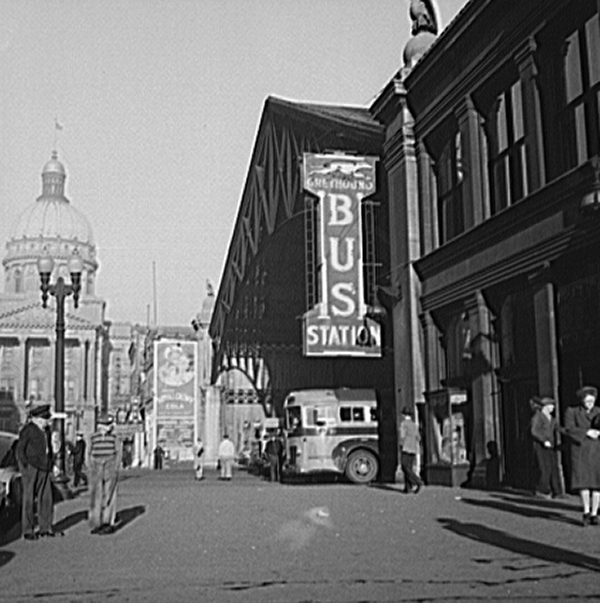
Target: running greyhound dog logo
x,y
341,168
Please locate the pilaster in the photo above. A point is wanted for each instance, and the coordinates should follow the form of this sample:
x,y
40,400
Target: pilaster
x,y
485,411
473,169
546,338
532,115
400,161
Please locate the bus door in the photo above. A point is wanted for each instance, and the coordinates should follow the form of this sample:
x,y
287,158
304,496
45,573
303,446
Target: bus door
x,y
318,443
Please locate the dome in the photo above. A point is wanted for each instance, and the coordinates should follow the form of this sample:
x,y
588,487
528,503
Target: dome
x,y
52,216
52,219
54,166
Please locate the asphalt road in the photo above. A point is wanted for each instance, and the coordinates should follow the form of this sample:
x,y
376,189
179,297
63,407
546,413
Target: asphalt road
x,y
253,541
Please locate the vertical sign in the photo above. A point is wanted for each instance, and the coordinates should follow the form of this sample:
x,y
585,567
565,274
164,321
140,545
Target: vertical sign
x,y
338,325
175,401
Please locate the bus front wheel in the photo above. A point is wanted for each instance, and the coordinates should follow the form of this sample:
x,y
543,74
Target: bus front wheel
x,y
362,467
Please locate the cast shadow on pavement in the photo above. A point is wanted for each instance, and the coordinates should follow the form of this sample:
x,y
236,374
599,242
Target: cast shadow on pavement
x,y
526,510
70,520
523,546
532,501
125,476
10,530
5,557
126,516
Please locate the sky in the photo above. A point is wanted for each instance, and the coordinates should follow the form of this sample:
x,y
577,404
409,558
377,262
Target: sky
x,y
159,103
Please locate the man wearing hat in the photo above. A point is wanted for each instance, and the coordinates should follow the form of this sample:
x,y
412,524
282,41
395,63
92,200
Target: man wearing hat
x,y
104,463
34,456
546,439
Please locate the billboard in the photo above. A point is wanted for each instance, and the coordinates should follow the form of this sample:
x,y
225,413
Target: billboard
x,y
175,396
338,325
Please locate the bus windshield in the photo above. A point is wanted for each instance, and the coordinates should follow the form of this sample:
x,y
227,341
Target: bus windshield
x,y
293,417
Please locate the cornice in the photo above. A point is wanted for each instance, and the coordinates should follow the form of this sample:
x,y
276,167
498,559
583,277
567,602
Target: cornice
x,y
433,93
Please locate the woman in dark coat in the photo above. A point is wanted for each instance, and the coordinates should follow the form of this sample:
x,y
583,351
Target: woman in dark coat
x,y
581,424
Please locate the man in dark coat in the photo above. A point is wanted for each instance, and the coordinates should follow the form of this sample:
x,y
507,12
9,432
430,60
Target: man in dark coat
x,y
546,440
273,450
35,463
159,453
78,461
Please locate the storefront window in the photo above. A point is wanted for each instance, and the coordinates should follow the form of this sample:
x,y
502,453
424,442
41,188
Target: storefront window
x,y
447,428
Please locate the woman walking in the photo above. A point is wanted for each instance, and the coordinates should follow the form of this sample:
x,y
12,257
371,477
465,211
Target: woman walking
x,y
582,425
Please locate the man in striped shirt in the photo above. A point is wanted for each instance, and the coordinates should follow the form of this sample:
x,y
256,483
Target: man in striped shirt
x,y
104,463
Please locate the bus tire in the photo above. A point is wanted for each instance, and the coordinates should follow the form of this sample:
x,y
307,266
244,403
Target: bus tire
x,y
362,467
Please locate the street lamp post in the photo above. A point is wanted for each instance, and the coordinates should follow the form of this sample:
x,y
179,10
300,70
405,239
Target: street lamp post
x,y
60,291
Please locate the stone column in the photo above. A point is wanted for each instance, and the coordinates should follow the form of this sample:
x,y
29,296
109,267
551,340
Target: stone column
x,y
25,365
474,189
485,418
21,376
428,211
546,339
532,114
400,161
434,358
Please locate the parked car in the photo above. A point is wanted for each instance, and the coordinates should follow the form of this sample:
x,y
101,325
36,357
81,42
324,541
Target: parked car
x,y
10,478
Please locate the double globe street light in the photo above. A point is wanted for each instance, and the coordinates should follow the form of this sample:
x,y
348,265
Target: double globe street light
x,y
60,290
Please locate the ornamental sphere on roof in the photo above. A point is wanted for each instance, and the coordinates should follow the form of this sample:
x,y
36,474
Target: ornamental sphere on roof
x,y
424,15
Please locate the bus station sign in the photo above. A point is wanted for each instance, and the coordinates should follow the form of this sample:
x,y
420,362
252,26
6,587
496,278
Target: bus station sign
x,y
338,324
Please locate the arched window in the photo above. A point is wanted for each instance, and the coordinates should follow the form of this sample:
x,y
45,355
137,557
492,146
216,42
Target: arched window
x,y
18,280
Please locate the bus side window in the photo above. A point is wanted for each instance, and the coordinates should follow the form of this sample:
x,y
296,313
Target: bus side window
x,y
345,413
358,414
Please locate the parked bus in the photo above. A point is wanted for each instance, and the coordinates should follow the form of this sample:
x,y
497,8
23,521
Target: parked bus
x,y
332,430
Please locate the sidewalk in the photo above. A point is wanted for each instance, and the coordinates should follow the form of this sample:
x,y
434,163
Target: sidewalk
x,y
253,541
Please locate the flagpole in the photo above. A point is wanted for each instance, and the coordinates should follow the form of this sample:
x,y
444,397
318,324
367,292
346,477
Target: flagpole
x,y
154,294
57,128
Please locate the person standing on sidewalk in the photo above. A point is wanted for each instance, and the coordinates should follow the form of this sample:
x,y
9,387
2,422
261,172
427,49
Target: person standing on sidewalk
x,y
409,440
34,456
199,460
273,450
159,454
226,457
546,439
104,474
582,425
78,461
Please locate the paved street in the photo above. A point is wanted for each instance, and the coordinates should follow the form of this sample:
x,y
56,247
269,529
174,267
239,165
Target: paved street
x,y
249,540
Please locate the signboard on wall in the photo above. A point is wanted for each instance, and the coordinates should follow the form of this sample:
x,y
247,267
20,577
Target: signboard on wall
x,y
175,402
338,325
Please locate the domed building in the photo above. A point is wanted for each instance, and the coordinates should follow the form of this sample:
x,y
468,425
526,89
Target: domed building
x,y
50,227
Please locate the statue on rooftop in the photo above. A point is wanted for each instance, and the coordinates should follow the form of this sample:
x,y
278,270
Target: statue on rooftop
x,y
423,15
